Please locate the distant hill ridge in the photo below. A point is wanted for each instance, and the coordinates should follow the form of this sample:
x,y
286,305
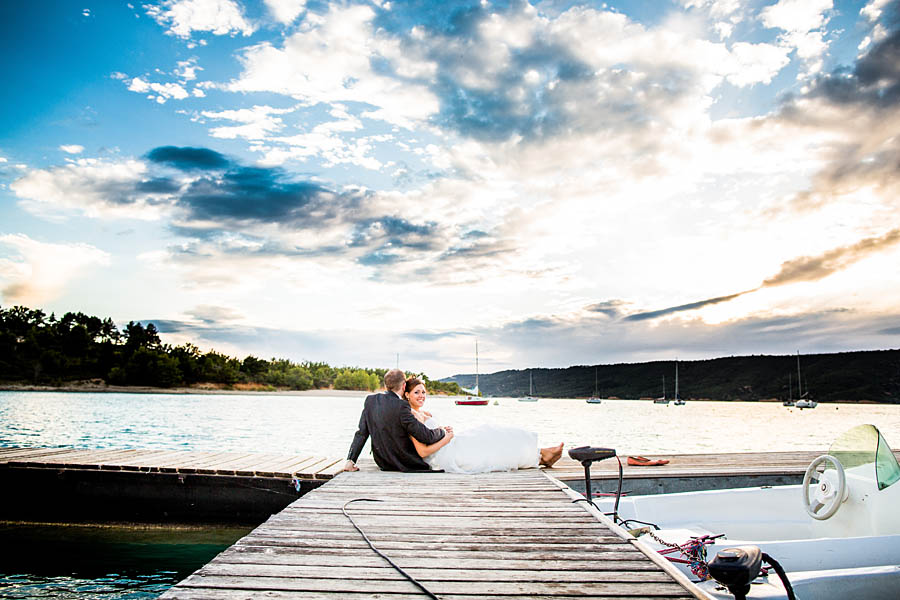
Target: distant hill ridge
x,y
862,376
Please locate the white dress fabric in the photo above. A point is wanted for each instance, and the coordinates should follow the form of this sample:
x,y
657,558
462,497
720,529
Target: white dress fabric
x,y
486,448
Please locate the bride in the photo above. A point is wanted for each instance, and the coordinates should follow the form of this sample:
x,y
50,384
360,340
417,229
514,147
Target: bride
x,y
479,450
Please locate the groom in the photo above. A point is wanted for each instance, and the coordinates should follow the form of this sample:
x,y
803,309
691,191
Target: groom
x,y
388,418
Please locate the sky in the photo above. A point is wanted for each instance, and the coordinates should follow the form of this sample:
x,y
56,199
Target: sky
x,y
375,182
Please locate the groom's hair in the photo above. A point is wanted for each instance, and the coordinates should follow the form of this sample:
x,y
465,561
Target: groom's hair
x,y
393,379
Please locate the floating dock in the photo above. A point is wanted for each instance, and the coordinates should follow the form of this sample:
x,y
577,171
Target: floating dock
x,y
247,487
155,485
512,535
495,535
693,472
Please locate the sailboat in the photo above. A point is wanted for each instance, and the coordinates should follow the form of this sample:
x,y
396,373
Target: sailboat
x,y
802,400
662,399
678,399
790,400
530,397
595,399
474,399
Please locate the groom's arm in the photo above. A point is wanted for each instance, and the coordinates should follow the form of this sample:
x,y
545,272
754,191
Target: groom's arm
x,y
361,435
416,429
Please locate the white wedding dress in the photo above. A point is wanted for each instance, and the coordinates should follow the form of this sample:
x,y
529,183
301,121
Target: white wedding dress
x,y
486,448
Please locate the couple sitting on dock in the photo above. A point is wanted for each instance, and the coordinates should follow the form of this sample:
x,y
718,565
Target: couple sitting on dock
x,y
406,438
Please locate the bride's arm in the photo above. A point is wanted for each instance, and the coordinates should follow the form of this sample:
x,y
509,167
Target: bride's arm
x,y
427,450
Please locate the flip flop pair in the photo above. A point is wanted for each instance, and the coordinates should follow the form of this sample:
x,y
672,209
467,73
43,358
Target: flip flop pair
x,y
641,461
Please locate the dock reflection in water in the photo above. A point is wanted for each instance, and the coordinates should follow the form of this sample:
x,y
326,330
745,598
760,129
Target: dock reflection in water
x,y
64,561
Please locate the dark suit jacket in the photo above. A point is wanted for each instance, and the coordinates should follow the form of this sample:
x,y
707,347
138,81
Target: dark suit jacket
x,y
388,419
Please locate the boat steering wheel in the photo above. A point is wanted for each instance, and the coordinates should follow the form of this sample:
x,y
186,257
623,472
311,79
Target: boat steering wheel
x,y
828,494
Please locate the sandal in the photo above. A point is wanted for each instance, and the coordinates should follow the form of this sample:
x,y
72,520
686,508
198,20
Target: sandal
x,y
641,461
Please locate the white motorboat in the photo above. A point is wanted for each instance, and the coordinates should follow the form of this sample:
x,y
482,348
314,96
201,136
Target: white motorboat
x,y
836,535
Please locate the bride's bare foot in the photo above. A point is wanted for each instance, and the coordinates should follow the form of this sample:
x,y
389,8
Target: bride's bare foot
x,y
550,455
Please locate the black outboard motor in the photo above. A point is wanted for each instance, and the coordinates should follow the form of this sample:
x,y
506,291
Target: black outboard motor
x,y
735,568
588,454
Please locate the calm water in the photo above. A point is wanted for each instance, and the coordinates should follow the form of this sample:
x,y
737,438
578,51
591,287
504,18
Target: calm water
x,y
103,562
79,563
325,424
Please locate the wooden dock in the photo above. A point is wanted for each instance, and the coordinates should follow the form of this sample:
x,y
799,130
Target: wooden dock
x,y
686,465
155,485
234,464
496,535
693,472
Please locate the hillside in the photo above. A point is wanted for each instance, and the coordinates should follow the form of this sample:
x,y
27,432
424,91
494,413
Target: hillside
x,y
867,376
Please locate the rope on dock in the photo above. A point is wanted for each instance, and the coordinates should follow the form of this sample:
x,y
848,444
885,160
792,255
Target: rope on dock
x,y
379,552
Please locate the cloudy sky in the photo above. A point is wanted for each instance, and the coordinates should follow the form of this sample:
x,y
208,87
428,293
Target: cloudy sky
x,y
569,183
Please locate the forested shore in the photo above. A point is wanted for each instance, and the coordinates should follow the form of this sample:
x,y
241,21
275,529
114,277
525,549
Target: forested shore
x,y
859,376
41,350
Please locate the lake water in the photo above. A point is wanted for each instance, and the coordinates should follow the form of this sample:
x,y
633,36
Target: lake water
x,y
118,563
80,562
325,425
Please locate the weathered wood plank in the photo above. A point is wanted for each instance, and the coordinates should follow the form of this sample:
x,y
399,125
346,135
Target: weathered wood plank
x,y
388,546
242,464
497,588
518,537
29,454
386,573
282,464
199,593
464,536
278,556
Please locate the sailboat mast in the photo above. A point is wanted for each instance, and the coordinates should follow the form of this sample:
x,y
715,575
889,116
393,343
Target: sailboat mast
x,y
799,385
676,379
476,367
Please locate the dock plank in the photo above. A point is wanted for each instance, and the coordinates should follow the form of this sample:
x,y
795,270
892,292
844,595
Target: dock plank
x,y
235,464
687,465
461,536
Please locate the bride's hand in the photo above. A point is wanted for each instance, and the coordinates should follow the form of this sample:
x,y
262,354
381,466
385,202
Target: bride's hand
x,y
449,431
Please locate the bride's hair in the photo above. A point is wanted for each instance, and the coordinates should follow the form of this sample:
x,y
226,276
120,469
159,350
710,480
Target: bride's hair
x,y
411,384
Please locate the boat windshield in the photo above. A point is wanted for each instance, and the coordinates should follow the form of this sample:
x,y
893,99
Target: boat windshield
x,y
863,445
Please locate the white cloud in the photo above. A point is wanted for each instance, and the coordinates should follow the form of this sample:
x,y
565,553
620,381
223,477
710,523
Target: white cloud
x,y
756,63
72,148
802,22
92,187
798,16
285,11
874,9
183,17
164,91
258,122
716,8
330,60
187,69
39,272
655,53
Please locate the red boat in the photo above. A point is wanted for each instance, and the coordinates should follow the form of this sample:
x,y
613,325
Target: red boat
x,y
470,401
